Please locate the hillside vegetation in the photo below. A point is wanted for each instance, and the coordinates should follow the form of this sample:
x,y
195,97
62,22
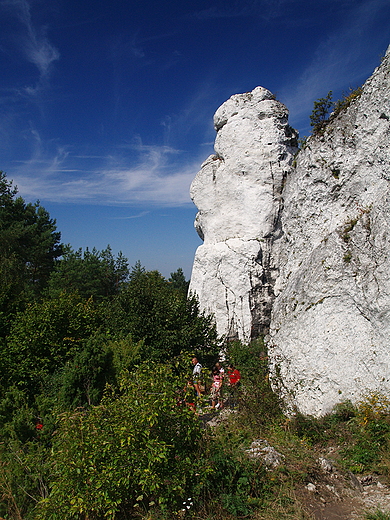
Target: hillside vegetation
x,y
94,363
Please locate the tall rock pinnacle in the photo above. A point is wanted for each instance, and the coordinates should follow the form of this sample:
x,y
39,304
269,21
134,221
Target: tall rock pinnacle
x,y
238,194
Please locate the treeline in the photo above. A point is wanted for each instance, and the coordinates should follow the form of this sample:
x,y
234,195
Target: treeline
x,y
92,356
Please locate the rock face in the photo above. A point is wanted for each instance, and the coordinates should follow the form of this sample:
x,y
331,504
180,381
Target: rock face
x,y
238,194
330,330
300,250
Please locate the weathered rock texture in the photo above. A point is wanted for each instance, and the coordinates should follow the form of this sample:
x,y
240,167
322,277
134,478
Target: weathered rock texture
x,y
330,329
301,249
238,194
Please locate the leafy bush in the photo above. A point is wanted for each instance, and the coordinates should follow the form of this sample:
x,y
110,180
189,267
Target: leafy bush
x,y
135,450
45,336
258,403
373,407
84,378
363,431
168,322
378,515
371,428
344,103
25,434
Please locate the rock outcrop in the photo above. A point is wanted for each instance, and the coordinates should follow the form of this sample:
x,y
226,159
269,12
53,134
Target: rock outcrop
x,y
238,194
299,249
330,329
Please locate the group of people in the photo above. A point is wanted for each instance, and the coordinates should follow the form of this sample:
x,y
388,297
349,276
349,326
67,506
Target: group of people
x,y
231,379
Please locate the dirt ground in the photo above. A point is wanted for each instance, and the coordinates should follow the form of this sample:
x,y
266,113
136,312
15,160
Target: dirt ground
x,y
332,495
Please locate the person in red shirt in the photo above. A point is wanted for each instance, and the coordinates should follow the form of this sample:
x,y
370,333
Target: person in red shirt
x,y
234,383
234,376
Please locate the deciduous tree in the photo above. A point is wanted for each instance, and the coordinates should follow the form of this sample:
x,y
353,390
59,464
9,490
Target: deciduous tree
x,y
167,321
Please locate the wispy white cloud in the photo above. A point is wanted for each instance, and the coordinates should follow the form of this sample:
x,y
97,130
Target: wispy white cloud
x,y
36,47
132,172
138,215
197,112
145,175
341,59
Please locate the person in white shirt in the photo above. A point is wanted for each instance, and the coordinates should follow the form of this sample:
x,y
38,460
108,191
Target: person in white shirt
x,y
196,375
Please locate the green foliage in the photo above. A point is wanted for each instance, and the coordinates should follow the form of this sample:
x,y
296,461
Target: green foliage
x,y
29,245
17,418
258,403
319,117
235,484
24,477
178,281
378,515
135,450
86,375
348,228
347,99
90,273
371,428
93,363
100,361
24,452
347,257
45,336
362,430
374,406
320,113
139,451
151,310
125,354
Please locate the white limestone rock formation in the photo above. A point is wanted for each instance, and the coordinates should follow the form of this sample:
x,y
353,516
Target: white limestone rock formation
x,y
330,329
238,194
301,250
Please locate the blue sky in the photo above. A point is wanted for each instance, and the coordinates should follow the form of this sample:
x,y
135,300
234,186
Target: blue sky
x,y
106,106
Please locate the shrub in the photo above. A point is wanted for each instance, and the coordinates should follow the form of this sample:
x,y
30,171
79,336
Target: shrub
x,y
258,403
378,515
135,450
371,429
320,113
344,103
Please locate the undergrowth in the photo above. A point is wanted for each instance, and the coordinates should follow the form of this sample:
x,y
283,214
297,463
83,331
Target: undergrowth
x,y
136,456
358,436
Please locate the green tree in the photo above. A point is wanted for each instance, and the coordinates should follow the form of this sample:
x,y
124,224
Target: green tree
x,y
26,430
86,375
151,310
90,273
44,337
136,448
320,113
178,281
29,246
